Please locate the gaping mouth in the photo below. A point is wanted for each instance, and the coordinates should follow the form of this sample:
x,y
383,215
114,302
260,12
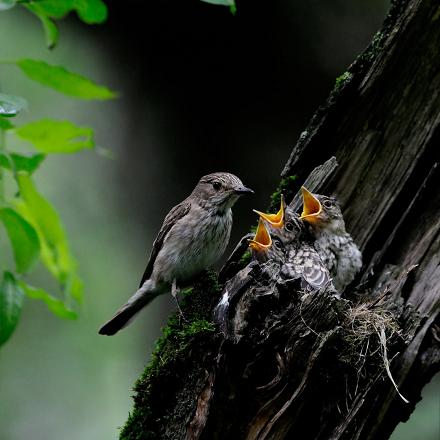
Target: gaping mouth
x,y
311,206
275,220
262,240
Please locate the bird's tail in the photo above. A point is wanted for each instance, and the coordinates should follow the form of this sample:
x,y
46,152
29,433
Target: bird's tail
x,y
128,311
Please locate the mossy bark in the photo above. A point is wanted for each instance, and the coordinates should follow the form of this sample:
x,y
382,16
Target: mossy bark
x,y
315,367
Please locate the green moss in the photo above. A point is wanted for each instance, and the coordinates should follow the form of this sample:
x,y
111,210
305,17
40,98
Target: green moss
x,y
287,188
245,258
172,360
373,49
342,79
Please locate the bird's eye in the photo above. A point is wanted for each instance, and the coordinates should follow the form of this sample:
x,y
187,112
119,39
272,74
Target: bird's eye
x,y
289,227
327,203
217,185
278,244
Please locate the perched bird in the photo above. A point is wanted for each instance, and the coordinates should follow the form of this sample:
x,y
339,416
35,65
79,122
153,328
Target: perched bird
x,y
194,235
290,244
334,244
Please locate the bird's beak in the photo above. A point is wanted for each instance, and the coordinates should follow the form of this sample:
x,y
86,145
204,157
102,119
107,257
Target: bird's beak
x,y
243,190
261,241
311,206
275,220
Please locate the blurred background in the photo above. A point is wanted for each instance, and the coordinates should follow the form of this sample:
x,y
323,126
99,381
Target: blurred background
x,y
200,91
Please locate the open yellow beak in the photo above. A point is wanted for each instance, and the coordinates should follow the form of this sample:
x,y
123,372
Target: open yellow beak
x,y
275,220
311,206
261,241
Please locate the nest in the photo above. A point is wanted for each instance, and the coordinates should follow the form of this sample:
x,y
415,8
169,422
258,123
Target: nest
x,y
370,331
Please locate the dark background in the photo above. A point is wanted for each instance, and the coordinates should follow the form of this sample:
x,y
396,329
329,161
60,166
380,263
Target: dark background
x,y
223,92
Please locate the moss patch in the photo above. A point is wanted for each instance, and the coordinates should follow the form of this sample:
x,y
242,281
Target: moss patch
x,y
287,187
342,80
177,368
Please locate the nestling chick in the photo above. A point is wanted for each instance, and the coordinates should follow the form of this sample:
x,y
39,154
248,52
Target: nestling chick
x,y
289,243
334,244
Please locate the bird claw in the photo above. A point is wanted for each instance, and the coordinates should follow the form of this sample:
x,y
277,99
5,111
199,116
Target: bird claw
x,y
174,292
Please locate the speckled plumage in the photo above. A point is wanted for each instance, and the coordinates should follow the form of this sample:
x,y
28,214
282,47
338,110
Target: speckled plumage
x,y
334,244
306,263
193,236
291,248
302,260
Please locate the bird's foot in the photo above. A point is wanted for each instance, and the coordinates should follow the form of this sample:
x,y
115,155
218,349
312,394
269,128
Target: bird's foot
x,y
175,292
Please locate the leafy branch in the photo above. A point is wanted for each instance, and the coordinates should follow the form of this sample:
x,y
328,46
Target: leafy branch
x,y
229,3
32,224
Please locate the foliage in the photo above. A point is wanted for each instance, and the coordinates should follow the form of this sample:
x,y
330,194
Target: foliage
x,y
230,3
47,11
31,223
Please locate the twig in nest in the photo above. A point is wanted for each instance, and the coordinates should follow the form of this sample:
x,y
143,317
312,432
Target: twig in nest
x,y
383,342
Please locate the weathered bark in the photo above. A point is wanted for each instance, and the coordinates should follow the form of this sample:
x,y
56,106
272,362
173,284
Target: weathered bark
x,y
315,367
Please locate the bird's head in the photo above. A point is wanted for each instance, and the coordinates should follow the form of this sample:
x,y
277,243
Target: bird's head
x,y
220,190
276,221
322,212
266,245
262,240
285,223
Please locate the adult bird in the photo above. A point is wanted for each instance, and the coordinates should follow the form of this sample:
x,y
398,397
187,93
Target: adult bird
x,y
334,244
193,236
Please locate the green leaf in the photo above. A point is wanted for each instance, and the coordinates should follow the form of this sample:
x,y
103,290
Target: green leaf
x,y
230,3
11,303
75,287
55,252
54,8
50,136
55,305
89,11
60,79
49,27
10,105
20,162
23,237
5,124
7,4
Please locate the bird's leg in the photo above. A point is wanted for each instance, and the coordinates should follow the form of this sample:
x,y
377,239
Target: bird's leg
x,y
174,292
230,268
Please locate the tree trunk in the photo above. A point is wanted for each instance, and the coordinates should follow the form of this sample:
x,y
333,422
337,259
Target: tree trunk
x,y
314,366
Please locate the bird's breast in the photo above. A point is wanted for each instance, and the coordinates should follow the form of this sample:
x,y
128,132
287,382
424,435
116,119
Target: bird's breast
x,y
196,241
341,256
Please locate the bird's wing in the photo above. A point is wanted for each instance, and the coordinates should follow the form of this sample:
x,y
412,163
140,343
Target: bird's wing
x,y
172,217
313,270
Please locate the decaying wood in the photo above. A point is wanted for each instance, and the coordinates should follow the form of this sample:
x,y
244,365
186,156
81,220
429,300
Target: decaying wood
x,y
316,181
289,365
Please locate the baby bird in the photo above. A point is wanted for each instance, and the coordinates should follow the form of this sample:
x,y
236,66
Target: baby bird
x,y
281,253
286,239
334,244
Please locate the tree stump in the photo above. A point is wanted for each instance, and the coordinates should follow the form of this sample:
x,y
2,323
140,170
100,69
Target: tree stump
x,y
314,366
